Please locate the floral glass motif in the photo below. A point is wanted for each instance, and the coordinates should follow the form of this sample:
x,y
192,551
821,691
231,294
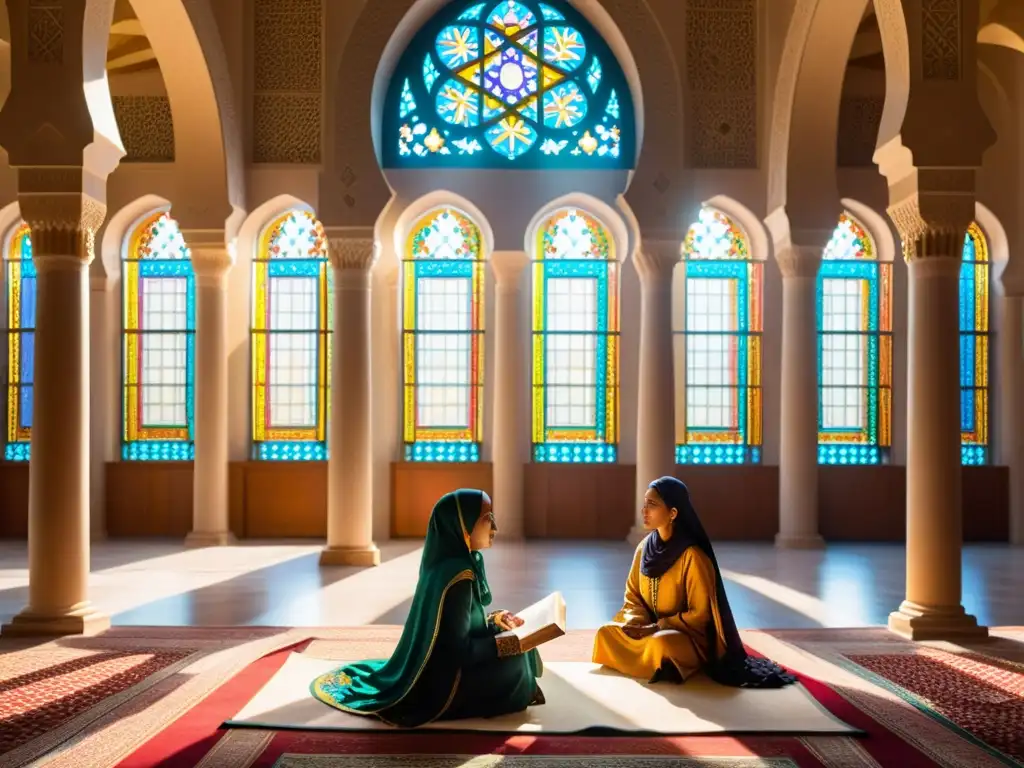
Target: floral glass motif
x,y
719,343
443,339
854,311
575,341
974,342
21,323
292,321
508,82
159,329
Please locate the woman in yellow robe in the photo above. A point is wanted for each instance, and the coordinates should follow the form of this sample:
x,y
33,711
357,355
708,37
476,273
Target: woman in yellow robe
x,y
676,620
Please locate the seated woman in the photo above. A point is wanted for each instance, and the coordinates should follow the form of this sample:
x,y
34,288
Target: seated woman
x,y
676,619
448,664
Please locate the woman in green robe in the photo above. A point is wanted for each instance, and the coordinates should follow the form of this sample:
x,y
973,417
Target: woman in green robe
x,y
449,664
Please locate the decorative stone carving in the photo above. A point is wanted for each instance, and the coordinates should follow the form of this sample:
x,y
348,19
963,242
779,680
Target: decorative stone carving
x,y
859,121
721,69
357,253
934,230
286,128
799,260
146,128
287,81
45,32
940,32
62,224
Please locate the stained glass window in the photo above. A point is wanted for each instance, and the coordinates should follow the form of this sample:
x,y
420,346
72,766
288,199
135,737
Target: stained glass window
x,y
159,314
854,349
508,83
575,341
720,344
292,319
974,348
21,323
443,343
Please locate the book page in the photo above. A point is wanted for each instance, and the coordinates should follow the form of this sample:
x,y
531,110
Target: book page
x,y
542,621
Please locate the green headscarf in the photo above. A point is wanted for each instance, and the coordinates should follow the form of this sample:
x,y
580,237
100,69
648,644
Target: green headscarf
x,y
371,687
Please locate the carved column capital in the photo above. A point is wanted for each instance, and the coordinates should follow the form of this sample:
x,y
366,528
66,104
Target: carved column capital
x,y
799,260
655,260
932,225
63,224
508,268
353,253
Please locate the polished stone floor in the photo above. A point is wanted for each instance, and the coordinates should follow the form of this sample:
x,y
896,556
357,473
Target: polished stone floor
x,y
281,583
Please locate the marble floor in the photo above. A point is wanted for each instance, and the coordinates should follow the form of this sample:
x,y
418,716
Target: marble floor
x,y
281,584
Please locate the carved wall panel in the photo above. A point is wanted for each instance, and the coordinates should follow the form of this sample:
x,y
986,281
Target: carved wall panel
x,y
859,120
940,31
45,31
146,128
287,81
721,98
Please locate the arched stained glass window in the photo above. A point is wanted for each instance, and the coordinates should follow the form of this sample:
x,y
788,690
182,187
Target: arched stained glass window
x,y
854,349
159,314
575,341
974,348
443,349
21,323
292,320
508,83
718,338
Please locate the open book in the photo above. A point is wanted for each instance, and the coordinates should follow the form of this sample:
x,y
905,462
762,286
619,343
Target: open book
x,y
542,621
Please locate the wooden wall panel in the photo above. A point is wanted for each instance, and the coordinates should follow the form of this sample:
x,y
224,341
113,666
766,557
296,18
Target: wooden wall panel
x,y
148,498
579,501
13,499
280,499
416,487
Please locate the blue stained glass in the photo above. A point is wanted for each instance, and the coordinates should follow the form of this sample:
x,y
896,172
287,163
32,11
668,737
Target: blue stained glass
x,y
28,298
973,455
594,76
550,14
717,453
846,453
473,12
158,450
28,359
303,268
967,298
25,406
291,450
575,453
518,81
18,451
446,452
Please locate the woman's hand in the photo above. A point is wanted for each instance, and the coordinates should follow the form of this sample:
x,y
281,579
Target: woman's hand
x,y
505,621
640,631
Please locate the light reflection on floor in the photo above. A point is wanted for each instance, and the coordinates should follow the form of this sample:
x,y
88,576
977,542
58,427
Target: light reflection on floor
x,y
282,584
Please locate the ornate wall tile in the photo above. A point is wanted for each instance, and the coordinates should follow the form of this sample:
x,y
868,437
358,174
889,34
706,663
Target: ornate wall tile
x,y
45,31
859,121
146,128
287,75
721,70
286,128
940,32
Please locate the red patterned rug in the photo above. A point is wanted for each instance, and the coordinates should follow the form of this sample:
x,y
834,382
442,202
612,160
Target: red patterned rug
x,y
980,696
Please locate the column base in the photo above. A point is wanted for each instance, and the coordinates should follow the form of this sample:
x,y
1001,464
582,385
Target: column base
x,y
200,539
799,541
636,534
919,622
362,557
85,620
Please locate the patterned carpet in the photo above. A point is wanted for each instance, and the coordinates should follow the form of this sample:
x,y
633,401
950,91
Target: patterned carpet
x,y
156,696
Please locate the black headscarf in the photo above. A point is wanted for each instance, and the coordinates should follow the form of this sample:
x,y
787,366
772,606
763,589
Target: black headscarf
x,y
735,667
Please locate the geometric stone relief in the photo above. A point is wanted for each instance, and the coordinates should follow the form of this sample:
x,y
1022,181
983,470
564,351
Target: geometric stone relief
x,y
146,128
287,81
940,33
721,72
45,31
860,118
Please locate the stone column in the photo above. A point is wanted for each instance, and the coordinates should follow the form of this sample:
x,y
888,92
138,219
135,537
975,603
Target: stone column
x,y
1011,365
798,433
655,423
211,262
350,440
63,229
507,434
932,608
101,416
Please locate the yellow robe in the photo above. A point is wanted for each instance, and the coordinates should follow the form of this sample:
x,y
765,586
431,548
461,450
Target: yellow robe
x,y
685,600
